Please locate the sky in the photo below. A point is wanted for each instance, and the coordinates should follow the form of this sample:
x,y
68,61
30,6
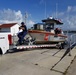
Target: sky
x,y
37,10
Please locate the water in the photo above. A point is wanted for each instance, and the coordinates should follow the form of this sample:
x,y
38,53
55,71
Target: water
x,y
71,37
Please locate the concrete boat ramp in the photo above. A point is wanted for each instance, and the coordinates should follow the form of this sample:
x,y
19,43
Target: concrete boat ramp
x,y
36,62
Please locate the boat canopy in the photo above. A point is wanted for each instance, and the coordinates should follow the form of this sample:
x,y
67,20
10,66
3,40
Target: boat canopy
x,y
52,20
39,24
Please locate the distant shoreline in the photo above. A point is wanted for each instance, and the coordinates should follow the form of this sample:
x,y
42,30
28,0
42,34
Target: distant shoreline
x,y
69,31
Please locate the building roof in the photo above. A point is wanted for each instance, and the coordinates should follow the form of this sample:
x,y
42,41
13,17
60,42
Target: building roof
x,y
7,25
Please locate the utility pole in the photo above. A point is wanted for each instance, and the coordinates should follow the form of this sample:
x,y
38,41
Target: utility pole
x,y
25,17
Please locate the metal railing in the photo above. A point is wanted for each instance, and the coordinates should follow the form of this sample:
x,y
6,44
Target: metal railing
x,y
73,38
72,42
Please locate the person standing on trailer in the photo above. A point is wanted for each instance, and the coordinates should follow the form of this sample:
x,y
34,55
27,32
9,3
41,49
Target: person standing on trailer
x,y
22,34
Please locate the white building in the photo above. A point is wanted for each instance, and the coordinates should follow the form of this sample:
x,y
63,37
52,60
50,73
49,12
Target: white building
x,y
12,28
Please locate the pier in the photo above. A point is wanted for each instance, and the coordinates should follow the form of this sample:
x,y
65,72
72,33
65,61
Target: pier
x,y
44,61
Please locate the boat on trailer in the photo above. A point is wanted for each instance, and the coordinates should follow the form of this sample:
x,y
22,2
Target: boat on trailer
x,y
45,32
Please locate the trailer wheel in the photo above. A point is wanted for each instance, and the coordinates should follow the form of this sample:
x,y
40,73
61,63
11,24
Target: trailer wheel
x,y
0,51
62,46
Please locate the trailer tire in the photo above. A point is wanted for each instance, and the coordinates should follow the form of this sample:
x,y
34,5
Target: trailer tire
x,y
0,51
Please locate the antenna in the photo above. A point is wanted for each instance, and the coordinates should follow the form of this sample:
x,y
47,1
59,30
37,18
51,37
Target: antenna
x,y
45,9
56,10
25,17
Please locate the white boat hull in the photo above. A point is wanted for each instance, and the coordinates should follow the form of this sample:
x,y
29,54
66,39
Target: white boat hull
x,y
47,37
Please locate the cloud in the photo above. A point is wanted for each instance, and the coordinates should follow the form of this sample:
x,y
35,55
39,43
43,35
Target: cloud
x,y
12,16
8,15
30,23
71,17
69,8
68,17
